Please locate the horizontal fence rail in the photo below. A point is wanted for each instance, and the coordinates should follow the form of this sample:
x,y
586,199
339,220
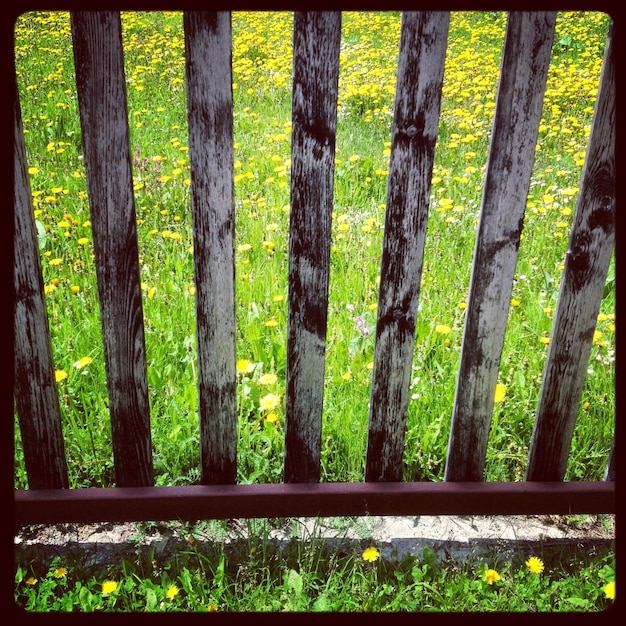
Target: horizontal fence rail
x,y
196,502
101,89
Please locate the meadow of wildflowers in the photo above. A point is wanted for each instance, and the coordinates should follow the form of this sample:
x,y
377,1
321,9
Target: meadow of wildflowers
x,y
154,58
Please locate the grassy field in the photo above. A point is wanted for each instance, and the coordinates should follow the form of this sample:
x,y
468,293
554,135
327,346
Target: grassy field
x,y
154,53
306,574
309,576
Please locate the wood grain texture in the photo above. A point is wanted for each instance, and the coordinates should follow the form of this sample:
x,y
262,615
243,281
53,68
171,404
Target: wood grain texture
x,y
314,117
100,82
582,285
416,119
210,112
523,74
36,395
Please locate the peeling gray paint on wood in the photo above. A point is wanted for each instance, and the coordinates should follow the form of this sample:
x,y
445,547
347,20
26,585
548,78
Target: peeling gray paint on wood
x,y
582,285
416,119
314,119
36,395
210,111
100,82
525,62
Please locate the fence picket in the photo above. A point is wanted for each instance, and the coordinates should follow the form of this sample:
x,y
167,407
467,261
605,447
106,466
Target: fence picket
x,y
582,286
210,112
421,60
36,396
98,58
524,69
316,42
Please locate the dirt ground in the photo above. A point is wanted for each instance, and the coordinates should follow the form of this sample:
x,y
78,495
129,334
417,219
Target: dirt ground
x,y
456,537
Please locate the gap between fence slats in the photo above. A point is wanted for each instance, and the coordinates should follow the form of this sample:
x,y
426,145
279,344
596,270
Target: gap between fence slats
x,y
423,42
316,44
581,290
208,44
36,395
101,89
523,74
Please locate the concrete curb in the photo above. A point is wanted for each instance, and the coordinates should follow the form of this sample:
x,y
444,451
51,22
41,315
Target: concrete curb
x,y
450,537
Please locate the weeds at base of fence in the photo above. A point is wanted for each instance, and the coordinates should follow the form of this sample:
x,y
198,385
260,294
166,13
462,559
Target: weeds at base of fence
x,y
308,574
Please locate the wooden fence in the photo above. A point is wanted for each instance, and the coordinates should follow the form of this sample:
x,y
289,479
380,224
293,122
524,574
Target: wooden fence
x,y
98,55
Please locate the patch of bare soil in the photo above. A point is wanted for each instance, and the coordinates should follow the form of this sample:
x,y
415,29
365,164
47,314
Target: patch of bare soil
x,y
456,537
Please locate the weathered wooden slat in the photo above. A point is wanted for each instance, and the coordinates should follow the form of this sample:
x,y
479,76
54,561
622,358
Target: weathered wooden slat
x,y
98,58
416,119
36,396
311,500
581,290
210,111
525,62
314,117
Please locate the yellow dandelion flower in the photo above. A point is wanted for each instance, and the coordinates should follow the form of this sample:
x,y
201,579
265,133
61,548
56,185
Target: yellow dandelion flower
x,y
108,586
172,592
535,565
60,572
346,376
371,554
31,581
269,402
244,366
500,393
83,362
491,576
60,375
271,323
269,246
75,289
442,329
268,379
609,590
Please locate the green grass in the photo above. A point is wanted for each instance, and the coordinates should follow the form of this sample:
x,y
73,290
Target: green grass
x,y
307,576
305,573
